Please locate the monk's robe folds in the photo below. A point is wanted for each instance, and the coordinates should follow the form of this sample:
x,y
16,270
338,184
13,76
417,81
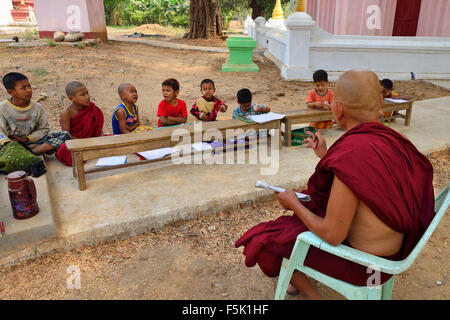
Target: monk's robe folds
x,y
385,171
87,123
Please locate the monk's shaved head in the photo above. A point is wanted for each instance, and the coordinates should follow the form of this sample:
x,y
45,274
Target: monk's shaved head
x,y
359,93
123,86
72,87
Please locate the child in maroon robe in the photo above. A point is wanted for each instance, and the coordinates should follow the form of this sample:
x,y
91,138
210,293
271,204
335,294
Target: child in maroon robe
x,y
82,118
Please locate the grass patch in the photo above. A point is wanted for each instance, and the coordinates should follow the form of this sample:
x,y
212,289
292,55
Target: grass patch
x,y
40,72
50,42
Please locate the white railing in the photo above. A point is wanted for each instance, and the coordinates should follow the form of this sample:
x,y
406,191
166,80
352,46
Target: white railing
x,y
301,47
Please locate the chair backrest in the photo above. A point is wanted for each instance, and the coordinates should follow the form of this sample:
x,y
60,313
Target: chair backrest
x,y
441,204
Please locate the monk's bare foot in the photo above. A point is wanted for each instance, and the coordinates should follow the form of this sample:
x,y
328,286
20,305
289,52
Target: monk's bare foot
x,y
310,296
292,291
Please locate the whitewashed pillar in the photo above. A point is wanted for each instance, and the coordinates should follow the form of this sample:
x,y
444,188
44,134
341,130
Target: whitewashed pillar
x,y
5,12
260,22
296,65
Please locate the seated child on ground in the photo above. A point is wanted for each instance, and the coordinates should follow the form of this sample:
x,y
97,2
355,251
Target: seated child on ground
x,y
387,87
24,120
207,106
171,111
245,107
81,118
125,118
320,98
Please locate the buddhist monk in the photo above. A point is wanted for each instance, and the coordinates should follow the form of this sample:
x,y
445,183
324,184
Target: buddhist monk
x,y
372,190
82,118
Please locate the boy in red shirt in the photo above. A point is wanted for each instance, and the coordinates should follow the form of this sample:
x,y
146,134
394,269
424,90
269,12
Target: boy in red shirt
x,y
171,111
320,98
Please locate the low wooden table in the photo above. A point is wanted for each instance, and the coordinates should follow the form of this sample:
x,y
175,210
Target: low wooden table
x,y
311,115
395,107
118,145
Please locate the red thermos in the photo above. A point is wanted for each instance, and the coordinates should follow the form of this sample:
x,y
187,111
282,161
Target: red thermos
x,y
22,194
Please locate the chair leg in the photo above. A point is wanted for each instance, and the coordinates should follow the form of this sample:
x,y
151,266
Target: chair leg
x,y
286,272
386,293
374,293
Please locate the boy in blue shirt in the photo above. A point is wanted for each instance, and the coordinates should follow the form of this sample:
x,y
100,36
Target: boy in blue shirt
x,y
246,108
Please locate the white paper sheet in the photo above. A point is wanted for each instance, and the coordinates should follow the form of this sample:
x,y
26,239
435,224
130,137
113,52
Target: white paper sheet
x,y
266,117
395,101
157,153
202,146
111,161
263,185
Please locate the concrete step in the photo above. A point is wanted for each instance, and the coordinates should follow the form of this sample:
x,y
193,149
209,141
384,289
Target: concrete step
x,y
20,232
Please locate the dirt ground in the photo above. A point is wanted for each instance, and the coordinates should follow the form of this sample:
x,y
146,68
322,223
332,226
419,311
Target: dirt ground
x,y
193,259
104,67
196,259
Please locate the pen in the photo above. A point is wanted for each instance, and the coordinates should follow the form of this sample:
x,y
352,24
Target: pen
x,y
316,141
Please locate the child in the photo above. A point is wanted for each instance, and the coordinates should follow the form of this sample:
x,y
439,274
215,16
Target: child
x,y
171,111
320,98
81,118
125,117
246,108
24,120
387,87
208,106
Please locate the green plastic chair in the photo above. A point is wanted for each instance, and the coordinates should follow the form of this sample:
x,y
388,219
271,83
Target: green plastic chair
x,y
383,292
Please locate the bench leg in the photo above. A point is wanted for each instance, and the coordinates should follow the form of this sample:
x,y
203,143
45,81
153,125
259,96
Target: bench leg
x,y
80,171
74,165
278,134
288,133
408,115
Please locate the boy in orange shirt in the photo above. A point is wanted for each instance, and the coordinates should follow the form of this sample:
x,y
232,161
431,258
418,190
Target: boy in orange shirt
x,y
320,98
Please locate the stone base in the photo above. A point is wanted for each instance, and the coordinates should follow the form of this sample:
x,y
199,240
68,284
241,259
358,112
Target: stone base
x,y
87,35
227,67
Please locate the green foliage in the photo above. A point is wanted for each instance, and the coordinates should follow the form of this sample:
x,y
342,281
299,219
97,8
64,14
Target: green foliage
x,y
177,13
137,12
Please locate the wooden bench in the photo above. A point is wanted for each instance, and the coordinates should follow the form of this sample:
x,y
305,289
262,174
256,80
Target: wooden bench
x,y
311,115
118,145
396,107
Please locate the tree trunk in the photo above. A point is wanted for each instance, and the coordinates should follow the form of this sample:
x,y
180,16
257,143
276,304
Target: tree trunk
x,y
257,9
206,19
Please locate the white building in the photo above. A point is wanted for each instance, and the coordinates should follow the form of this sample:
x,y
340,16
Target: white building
x,y
5,12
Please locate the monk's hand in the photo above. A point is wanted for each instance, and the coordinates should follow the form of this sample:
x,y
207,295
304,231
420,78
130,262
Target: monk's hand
x,y
288,199
317,142
205,117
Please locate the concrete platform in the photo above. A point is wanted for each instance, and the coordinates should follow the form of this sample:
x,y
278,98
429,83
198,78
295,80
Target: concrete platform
x,y
23,232
126,202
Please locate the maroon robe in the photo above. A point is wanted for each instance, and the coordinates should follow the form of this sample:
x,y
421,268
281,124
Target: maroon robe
x,y
87,123
385,171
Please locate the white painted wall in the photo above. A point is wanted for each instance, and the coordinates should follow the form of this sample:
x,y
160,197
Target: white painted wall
x,y
5,12
304,48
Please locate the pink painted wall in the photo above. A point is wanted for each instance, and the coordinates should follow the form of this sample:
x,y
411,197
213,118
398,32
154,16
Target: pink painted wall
x,y
58,16
349,17
434,19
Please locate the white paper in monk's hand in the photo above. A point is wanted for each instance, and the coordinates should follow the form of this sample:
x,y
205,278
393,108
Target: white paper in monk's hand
x,y
266,117
395,101
157,153
263,185
111,161
202,146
